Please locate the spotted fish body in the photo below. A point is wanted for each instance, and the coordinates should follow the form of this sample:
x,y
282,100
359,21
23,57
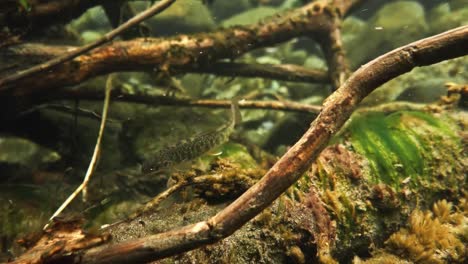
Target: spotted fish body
x,y
194,147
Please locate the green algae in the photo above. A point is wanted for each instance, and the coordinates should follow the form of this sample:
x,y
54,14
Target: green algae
x,y
234,152
382,166
398,145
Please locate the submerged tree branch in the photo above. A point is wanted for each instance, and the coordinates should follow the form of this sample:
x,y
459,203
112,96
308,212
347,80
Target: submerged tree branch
x,y
178,54
155,9
332,46
285,72
93,163
337,109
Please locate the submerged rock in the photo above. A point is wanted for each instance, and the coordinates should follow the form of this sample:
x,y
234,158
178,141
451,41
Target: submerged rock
x,y
222,10
395,24
184,16
448,15
250,17
21,152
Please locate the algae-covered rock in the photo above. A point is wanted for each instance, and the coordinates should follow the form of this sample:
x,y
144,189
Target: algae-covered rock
x,y
94,19
352,29
386,165
448,15
395,24
250,17
90,36
222,10
401,22
184,16
424,84
14,150
430,236
406,144
458,4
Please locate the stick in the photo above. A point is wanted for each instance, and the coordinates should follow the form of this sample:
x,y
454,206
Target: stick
x,y
93,163
158,100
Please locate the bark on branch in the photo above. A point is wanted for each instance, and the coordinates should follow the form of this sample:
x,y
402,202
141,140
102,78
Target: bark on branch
x,y
183,53
286,72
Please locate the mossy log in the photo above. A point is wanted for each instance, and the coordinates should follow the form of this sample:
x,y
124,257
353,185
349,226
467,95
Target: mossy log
x,y
380,169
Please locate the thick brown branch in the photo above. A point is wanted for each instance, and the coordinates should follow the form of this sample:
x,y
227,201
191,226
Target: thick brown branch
x,y
183,53
295,162
287,72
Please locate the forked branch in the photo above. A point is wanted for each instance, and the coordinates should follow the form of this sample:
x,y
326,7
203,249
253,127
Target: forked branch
x,y
183,53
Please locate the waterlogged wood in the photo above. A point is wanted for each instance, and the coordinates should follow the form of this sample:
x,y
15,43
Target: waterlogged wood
x,y
62,238
178,54
286,72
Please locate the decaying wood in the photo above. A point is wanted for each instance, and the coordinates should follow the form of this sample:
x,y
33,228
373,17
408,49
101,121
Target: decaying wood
x,y
179,54
337,109
61,238
14,57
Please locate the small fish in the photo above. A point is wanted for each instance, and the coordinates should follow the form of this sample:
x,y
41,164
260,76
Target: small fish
x,y
193,147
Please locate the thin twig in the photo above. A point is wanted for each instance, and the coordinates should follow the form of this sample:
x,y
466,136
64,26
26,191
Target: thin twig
x,y
97,150
154,203
155,9
158,100
393,107
285,72
66,109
